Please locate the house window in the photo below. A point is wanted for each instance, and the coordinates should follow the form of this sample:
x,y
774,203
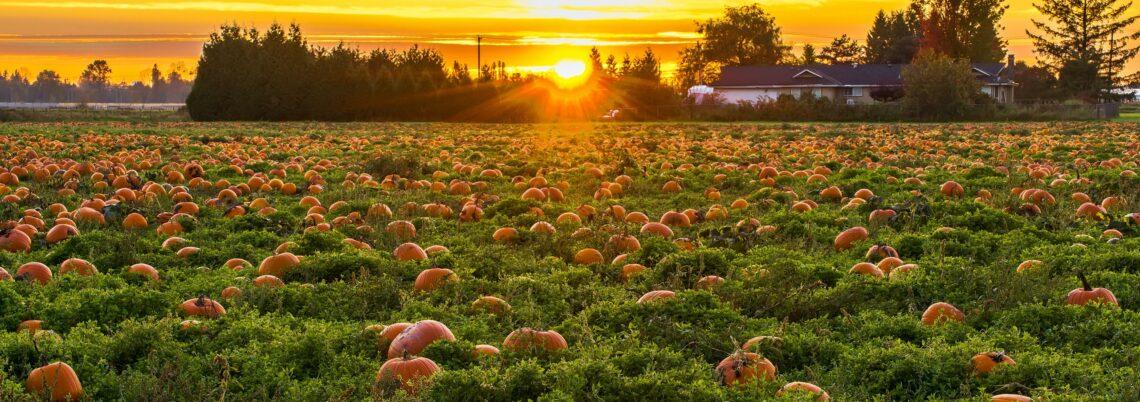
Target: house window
x,y
852,91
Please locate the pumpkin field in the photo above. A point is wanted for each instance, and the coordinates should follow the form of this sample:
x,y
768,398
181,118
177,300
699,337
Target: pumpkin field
x,y
655,261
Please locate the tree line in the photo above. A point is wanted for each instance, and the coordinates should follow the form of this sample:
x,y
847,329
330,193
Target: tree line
x,y
245,74
94,86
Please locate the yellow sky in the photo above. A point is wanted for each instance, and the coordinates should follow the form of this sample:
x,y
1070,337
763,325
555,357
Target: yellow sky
x,y
533,34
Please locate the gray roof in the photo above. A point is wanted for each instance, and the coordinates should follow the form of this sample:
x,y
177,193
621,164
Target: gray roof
x,y
835,75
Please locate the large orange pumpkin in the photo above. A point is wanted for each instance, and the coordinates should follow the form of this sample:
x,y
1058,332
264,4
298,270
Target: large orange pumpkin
x,y
849,237
34,271
15,241
57,381
417,337
278,264
409,372
1087,294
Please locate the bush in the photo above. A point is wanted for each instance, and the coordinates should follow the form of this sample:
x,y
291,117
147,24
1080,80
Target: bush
x,y
938,87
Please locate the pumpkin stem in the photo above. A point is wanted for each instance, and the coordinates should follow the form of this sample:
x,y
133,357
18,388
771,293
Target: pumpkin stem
x,y
406,355
997,357
1084,281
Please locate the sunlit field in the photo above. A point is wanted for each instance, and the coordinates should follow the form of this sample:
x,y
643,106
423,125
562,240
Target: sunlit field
x,y
706,262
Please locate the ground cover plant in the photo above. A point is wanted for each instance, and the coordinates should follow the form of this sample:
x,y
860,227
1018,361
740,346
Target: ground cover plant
x,y
252,261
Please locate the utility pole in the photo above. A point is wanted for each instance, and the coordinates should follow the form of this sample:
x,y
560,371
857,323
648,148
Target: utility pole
x,y
478,53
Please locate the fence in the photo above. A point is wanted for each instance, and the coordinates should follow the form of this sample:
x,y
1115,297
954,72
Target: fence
x,y
818,111
46,106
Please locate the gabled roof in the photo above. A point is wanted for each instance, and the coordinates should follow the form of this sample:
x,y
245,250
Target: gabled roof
x,y
835,75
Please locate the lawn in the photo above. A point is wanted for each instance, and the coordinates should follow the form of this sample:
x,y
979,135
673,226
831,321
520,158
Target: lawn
x,y
309,261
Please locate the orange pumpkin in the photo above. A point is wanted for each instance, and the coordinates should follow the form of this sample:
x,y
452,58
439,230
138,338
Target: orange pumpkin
x,y
709,282
656,295
806,388
630,270
237,264
30,326
390,332
231,292
1087,294
407,371
56,381
60,232
202,306
741,368
656,228
1028,265
849,237
492,304
588,256
278,265
15,241
986,362
485,351
135,221
78,266
409,252
941,312
144,270
952,189
268,281
505,235
527,339
34,271
417,337
433,278
866,268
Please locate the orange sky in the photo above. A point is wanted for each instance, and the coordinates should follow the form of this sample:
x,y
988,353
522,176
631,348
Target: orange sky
x,y
532,34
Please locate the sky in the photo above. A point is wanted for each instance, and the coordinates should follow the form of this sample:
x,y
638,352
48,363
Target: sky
x,y
530,35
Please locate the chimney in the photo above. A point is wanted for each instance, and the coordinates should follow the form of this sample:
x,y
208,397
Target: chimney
x,y
1009,63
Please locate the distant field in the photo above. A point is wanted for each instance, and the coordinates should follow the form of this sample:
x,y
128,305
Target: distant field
x,y
689,261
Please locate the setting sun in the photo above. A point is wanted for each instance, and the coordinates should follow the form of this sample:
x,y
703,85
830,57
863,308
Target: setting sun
x,y
569,73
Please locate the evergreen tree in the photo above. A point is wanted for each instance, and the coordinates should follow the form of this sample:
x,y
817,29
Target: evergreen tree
x,y
596,61
842,50
1085,42
808,56
964,29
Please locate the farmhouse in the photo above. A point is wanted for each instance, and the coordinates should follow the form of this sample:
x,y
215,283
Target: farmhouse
x,y
850,83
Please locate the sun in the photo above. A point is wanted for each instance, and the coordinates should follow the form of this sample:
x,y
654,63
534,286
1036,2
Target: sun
x,y
569,73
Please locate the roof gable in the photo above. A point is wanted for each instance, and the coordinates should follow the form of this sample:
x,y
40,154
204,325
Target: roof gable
x,y
806,73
